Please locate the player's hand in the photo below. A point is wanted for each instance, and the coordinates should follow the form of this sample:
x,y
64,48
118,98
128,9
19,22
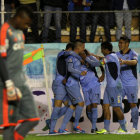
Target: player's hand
x,y
122,62
101,79
83,73
64,81
13,93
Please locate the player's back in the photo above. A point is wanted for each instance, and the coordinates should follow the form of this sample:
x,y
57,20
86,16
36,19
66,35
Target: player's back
x,y
60,66
75,75
112,67
11,47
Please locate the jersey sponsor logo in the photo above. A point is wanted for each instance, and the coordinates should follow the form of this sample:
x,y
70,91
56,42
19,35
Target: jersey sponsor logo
x,y
70,60
119,99
18,46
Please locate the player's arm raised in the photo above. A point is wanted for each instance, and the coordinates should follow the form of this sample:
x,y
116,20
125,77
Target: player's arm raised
x,y
93,61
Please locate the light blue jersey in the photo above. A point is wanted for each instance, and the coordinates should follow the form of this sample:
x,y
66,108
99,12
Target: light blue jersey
x,y
128,73
72,85
129,76
113,91
112,69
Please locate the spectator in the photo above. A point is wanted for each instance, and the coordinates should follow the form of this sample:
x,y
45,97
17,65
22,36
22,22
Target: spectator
x,y
32,37
125,16
100,5
9,6
55,6
78,18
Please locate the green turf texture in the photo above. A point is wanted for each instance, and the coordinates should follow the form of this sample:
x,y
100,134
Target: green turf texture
x,y
84,137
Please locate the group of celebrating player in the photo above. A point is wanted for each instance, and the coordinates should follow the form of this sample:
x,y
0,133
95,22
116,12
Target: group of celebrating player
x,y
76,67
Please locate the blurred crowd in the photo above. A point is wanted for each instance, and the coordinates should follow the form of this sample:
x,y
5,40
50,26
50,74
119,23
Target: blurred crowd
x,y
40,31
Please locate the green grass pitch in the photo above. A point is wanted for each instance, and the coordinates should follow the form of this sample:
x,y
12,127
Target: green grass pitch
x,y
84,137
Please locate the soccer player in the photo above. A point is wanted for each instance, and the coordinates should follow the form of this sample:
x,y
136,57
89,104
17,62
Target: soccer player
x,y
58,87
91,87
113,90
128,60
16,100
73,88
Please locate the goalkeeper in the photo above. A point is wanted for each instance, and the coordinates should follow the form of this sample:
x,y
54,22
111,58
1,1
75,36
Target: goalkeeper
x,y
16,101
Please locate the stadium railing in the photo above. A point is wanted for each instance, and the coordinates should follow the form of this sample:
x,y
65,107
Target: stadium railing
x,y
66,26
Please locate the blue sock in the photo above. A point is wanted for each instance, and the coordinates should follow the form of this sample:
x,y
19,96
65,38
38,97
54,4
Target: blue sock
x,y
89,115
67,117
62,111
122,124
54,118
107,124
135,116
78,113
94,117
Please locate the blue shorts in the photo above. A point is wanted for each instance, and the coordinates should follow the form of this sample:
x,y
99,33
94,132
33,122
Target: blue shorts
x,y
131,93
92,95
113,96
59,91
74,93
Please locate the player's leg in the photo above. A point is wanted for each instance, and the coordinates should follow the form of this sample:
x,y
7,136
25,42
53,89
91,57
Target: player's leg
x,y
78,112
132,96
23,129
55,114
115,97
28,113
77,100
87,103
63,109
95,100
67,118
59,94
89,112
134,115
8,133
107,116
120,117
106,110
94,116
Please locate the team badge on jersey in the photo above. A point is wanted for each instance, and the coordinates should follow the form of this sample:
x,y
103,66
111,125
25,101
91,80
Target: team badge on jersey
x,y
70,60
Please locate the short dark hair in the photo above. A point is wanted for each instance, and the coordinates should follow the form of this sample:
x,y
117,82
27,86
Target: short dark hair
x,y
125,38
78,41
24,10
107,45
86,52
70,45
